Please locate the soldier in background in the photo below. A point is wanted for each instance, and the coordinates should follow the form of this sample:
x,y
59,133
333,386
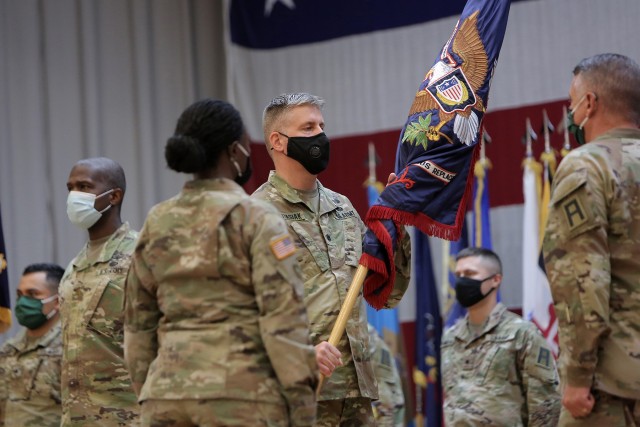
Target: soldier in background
x,y
497,369
592,247
216,332
96,389
30,362
328,234
388,410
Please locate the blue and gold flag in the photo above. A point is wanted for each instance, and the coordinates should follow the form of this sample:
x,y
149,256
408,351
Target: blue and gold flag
x,y
481,207
438,144
5,304
428,334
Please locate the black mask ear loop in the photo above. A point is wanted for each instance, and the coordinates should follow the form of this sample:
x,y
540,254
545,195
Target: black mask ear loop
x,y
235,162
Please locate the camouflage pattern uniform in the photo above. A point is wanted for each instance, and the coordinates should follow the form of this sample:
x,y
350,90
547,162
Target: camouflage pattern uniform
x,y
591,249
96,389
329,248
214,312
389,408
504,376
30,380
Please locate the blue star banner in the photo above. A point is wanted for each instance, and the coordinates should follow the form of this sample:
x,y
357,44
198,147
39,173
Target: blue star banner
x,y
438,145
296,22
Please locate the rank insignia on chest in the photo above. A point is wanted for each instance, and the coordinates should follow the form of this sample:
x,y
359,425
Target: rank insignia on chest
x,y
282,247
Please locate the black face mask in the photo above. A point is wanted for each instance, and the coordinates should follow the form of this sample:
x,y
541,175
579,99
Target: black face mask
x,y
468,291
312,152
243,177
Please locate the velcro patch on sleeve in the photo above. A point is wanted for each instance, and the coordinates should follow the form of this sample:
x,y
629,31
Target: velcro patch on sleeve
x,y
544,358
283,247
574,212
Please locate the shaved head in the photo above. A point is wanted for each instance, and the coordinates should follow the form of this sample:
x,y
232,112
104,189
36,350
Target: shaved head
x,y
106,170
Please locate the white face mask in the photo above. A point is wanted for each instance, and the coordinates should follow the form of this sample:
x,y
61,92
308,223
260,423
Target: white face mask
x,y
81,210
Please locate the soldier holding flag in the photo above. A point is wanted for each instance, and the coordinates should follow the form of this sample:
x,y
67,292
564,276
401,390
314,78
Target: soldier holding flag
x,y
328,234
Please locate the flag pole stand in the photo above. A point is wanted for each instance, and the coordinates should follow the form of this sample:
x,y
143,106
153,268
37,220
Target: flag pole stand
x,y
345,312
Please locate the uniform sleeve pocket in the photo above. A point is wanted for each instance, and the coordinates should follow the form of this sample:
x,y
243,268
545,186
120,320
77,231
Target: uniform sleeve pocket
x,y
569,185
573,206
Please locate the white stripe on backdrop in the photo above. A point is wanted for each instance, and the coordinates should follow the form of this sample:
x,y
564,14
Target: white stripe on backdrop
x,y
82,79
369,80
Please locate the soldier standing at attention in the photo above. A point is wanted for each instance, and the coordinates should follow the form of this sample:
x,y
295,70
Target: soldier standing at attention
x,y
216,332
328,234
30,362
592,247
96,389
497,369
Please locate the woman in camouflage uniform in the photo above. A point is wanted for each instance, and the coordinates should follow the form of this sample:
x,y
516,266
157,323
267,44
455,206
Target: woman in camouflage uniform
x,y
215,325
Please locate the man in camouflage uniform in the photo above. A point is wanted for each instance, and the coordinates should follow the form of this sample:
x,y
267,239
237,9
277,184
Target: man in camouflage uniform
x,y
96,389
30,362
497,369
592,247
216,332
388,410
328,234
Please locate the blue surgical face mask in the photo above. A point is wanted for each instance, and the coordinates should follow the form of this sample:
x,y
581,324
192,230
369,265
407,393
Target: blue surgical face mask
x,y
577,130
81,210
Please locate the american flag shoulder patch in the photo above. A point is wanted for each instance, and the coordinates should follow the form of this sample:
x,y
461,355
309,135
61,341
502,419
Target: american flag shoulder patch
x,y
282,246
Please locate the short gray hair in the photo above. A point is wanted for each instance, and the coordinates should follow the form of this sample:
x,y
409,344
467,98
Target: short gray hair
x,y
281,104
615,79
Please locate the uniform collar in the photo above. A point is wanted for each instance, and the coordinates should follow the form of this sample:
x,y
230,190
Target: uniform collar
x,y
106,253
19,342
215,184
619,133
291,195
463,332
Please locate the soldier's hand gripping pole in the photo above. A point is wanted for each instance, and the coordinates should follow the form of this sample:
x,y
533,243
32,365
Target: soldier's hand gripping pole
x,y
345,312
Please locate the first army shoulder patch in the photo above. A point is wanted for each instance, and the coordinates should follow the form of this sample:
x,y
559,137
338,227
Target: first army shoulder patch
x,y
282,247
544,358
574,213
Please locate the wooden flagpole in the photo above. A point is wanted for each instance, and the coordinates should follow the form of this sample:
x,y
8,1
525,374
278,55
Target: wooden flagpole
x,y
345,312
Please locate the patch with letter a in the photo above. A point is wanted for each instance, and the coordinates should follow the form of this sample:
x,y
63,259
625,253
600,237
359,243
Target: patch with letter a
x,y
282,247
452,91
